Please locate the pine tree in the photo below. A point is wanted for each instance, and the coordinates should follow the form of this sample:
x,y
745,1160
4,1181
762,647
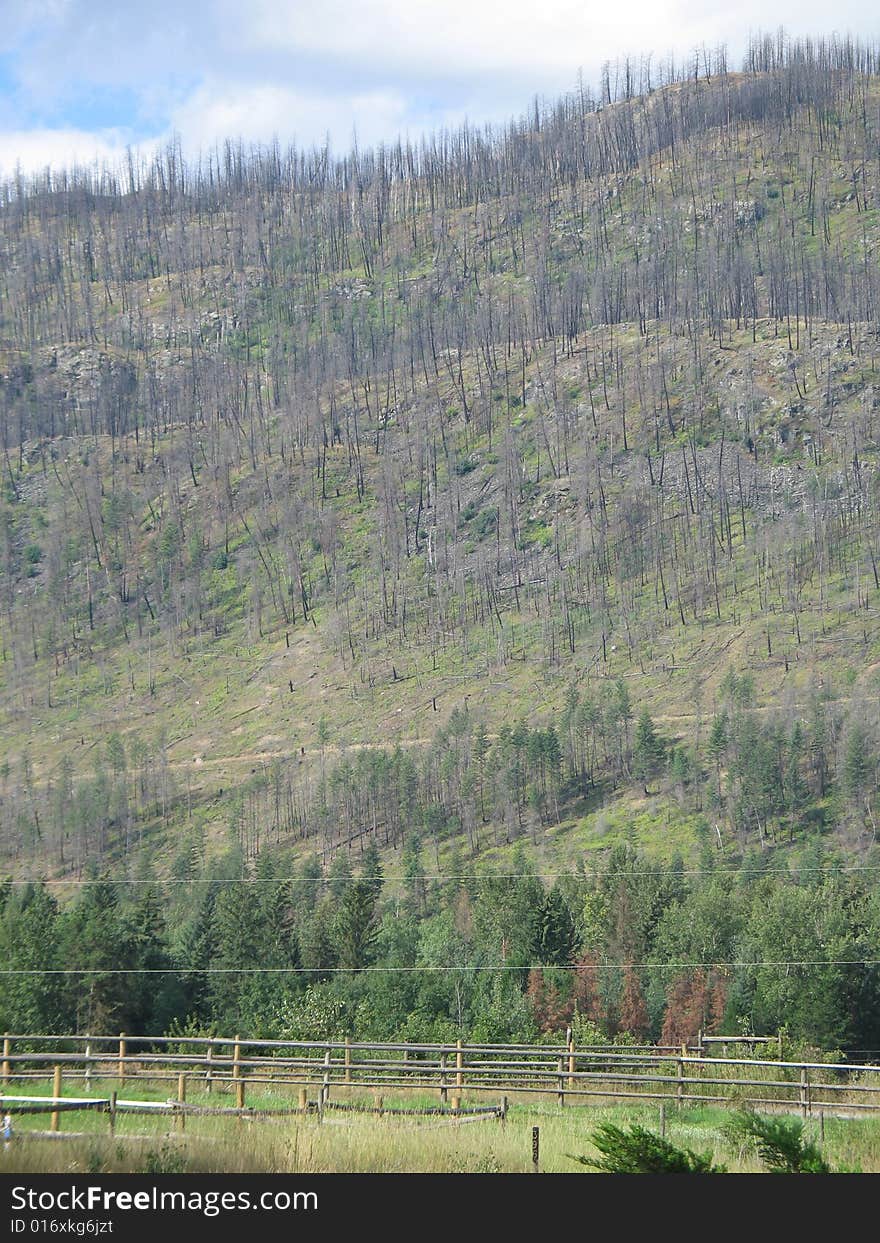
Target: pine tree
x,y
371,869
30,942
718,739
354,927
98,940
633,1012
556,931
339,875
648,749
857,761
686,1008
586,992
316,939
547,1006
414,876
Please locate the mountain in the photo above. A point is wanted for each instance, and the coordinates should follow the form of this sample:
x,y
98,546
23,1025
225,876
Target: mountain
x,y
515,486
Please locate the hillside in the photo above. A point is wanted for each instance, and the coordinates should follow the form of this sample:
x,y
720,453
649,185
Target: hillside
x,y
509,497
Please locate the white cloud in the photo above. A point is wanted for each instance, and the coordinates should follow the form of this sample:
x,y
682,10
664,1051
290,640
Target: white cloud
x,y
215,69
454,38
218,110
35,150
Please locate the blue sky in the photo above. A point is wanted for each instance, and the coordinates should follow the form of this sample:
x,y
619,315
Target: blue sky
x,y
82,79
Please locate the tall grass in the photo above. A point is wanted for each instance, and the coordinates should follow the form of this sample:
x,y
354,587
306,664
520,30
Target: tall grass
x,y
391,1144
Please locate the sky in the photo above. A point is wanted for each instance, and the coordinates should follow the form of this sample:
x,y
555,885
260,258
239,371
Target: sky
x,y
82,80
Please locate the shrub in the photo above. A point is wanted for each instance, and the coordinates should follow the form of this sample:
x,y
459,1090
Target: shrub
x,y
779,1142
638,1151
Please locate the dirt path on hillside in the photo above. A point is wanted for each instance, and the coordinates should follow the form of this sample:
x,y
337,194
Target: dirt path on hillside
x,y
260,757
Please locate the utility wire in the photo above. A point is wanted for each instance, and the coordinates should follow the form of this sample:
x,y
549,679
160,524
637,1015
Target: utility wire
x,y
641,966
326,878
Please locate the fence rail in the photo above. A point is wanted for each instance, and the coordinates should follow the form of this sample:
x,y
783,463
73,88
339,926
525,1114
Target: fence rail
x,y
234,1065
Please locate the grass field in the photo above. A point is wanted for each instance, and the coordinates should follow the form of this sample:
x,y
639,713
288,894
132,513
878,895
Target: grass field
x,y
363,1143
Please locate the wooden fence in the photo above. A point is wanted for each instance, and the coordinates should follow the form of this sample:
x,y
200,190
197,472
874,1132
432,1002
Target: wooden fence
x,y
571,1074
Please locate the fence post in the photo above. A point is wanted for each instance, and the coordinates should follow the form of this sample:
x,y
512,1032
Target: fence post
x,y
571,1063
7,1050
236,1068
112,1112
303,1099
325,1085
88,1062
121,1067
443,1078
348,1059
209,1057
181,1098
56,1096
504,1109
679,1091
805,1093
236,1074
700,1043
560,1092
459,1064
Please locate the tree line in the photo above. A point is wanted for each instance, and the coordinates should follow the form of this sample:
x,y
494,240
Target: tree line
x,y
634,950
747,776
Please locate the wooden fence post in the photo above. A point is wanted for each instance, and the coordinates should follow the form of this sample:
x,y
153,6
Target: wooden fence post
x,y
7,1050
236,1059
459,1065
56,1096
209,1057
560,1092
112,1112
504,1109
88,1064
805,1093
121,1067
325,1083
348,1059
679,1091
443,1078
236,1072
303,1099
571,1063
181,1099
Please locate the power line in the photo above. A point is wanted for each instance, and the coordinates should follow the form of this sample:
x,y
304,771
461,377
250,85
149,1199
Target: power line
x,y
325,878
637,966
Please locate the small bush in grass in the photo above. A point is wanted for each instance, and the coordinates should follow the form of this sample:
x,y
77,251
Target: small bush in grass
x,y
779,1142
95,1162
639,1151
164,1160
